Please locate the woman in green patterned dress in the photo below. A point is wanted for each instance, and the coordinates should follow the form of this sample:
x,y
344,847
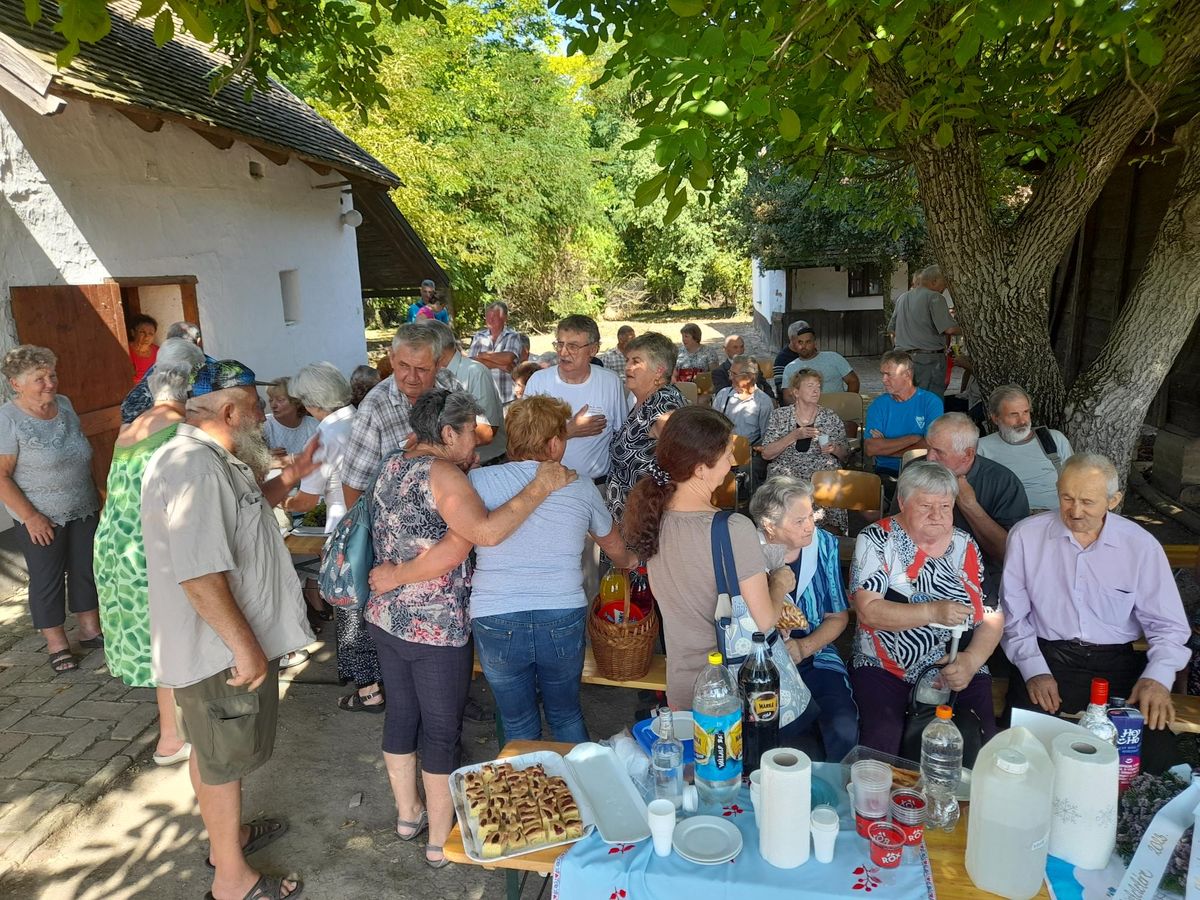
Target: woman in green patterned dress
x,y
120,556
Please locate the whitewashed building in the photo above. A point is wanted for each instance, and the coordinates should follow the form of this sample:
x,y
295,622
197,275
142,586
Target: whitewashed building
x,y
127,187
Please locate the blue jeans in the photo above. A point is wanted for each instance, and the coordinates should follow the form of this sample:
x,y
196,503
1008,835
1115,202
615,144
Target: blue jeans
x,y
524,652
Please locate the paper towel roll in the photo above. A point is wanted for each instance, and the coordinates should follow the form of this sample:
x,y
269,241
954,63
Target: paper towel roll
x,y
1083,824
784,800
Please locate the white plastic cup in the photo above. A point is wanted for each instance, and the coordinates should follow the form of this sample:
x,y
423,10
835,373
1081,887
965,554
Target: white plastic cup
x,y
660,816
824,829
823,440
755,790
691,798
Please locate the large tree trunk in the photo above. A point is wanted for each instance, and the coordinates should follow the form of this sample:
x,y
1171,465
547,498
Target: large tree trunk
x,y
1107,404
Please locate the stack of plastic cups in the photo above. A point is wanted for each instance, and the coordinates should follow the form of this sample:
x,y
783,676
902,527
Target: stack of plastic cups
x,y
871,793
824,821
908,811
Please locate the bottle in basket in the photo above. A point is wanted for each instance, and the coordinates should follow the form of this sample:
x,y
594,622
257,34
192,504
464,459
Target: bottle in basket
x,y
758,682
639,590
717,718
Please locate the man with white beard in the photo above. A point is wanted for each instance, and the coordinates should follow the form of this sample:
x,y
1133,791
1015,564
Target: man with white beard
x,y
225,605
1035,455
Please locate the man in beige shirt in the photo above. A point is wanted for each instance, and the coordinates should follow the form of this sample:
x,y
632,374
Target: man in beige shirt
x,y
225,605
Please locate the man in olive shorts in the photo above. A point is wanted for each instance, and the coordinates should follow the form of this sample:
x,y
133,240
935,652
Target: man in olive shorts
x,y
225,605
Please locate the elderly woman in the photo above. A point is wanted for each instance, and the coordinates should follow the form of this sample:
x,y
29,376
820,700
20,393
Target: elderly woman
x,y
326,396
819,612
288,428
421,630
912,573
650,360
805,437
142,349
175,351
528,613
46,485
693,359
120,557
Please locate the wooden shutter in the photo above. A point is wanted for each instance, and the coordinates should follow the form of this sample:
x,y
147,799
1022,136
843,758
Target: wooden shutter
x,y
85,327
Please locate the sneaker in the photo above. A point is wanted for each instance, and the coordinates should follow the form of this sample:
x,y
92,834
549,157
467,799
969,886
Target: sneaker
x,y
474,712
293,659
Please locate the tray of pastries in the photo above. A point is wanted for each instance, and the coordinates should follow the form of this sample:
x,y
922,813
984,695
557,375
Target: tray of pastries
x,y
518,805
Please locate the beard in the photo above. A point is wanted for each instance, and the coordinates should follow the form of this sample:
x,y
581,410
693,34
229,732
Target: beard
x,y
250,446
1015,435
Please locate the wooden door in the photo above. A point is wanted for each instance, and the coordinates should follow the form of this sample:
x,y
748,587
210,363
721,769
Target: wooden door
x,y
85,327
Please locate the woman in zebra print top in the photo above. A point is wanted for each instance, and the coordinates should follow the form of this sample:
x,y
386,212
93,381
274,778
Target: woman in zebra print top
x,y
912,573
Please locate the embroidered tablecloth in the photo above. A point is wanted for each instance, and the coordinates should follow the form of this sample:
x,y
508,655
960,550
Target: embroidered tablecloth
x,y
594,870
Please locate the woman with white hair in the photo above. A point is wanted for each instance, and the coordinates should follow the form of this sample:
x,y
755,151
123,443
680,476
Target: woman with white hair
x,y
914,577
119,558
175,351
326,394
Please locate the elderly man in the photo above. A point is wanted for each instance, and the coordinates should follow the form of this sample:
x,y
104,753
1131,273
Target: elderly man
x,y
1035,455
990,498
836,372
225,605
734,347
787,354
897,420
475,380
498,347
1080,586
921,321
596,396
614,358
381,422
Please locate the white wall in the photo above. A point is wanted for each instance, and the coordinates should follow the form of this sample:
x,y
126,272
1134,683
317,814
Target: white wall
x,y
87,194
825,288
769,290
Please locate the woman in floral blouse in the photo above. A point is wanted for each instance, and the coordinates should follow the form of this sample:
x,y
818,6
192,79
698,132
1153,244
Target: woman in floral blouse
x,y
693,358
421,497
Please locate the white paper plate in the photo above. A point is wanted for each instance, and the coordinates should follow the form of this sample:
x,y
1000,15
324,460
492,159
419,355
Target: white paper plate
x,y
707,840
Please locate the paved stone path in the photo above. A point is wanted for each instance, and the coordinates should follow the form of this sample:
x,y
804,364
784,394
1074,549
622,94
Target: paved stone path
x,y
64,738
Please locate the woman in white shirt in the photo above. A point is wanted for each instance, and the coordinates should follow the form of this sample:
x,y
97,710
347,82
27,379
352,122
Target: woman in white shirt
x,y
288,430
325,393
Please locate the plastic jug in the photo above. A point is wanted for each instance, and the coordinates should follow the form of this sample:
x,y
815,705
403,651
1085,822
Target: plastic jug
x,y
1009,829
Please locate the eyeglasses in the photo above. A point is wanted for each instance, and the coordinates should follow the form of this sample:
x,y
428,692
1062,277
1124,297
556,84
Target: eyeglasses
x,y
559,346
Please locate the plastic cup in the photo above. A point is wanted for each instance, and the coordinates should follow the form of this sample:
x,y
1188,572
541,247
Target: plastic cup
x,y
870,793
660,816
909,808
755,791
887,844
823,825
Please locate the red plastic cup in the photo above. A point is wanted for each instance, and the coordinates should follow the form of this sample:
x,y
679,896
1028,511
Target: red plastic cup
x,y
863,823
887,844
908,812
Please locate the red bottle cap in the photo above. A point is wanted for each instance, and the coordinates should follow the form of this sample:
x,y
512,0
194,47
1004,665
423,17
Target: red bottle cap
x,y
1100,691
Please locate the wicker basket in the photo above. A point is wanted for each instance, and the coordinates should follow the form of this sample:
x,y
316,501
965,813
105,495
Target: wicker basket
x,y
623,650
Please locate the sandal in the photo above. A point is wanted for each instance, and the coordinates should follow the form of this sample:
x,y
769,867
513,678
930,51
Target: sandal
x,y
269,887
415,828
263,832
95,642
63,661
435,863
357,702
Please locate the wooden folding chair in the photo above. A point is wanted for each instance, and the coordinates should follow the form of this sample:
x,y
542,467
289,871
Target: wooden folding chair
x,y
728,495
848,407
767,367
690,392
704,384
846,489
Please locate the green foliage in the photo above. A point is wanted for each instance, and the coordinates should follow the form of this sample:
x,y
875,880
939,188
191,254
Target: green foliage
x,y
726,80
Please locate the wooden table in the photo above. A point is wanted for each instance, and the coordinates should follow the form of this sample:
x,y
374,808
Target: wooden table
x,y
655,678
947,852
305,544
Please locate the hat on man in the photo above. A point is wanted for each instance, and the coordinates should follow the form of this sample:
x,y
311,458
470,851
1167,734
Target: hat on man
x,y
222,374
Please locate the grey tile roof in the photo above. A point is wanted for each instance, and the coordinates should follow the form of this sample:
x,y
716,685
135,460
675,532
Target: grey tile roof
x,y
128,69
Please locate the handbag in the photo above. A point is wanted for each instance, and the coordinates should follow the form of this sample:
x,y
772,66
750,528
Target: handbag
x,y
919,714
349,554
735,627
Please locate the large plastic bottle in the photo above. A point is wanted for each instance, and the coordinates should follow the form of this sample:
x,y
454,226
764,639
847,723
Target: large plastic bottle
x,y
1009,829
941,769
717,718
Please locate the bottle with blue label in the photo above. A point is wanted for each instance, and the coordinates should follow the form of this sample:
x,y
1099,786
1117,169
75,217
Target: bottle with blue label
x,y
717,718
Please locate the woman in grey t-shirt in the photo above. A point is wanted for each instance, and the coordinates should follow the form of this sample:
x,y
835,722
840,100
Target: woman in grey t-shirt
x,y
46,485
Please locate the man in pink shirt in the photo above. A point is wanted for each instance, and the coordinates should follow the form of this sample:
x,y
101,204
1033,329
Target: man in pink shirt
x,y
1082,584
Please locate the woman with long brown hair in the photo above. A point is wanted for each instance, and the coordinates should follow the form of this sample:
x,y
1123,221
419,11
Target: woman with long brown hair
x,y
668,522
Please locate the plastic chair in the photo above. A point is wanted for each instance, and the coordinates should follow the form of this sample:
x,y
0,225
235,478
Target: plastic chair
x,y
846,489
690,392
909,456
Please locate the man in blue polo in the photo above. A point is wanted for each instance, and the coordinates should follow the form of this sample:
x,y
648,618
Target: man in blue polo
x,y
898,419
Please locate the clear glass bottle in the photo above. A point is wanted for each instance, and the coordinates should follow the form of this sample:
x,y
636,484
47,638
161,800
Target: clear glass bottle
x,y
1095,718
666,760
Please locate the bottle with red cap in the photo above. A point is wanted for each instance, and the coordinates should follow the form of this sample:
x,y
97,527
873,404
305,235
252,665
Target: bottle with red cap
x,y
639,590
1095,718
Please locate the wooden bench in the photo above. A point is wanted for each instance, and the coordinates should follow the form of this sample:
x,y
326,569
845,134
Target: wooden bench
x,y
1187,707
1182,556
655,678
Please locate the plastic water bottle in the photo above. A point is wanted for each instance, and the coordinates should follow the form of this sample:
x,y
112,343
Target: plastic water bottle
x,y
717,714
941,768
666,760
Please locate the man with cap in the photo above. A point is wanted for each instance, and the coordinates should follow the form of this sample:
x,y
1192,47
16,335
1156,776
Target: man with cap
x,y
836,372
428,289
225,605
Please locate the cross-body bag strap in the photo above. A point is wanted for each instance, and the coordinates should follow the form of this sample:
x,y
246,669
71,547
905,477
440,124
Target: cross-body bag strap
x,y
1046,442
